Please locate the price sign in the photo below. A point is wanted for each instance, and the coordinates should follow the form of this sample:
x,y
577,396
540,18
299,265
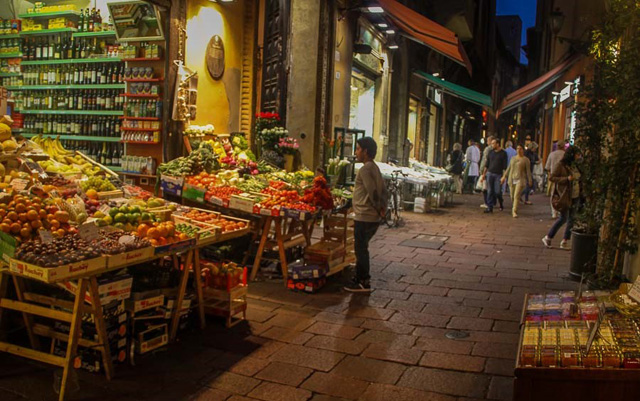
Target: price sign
x,y
19,184
45,236
104,209
88,231
634,292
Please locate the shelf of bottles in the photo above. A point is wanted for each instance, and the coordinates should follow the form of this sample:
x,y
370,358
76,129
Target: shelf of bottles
x,y
68,81
141,123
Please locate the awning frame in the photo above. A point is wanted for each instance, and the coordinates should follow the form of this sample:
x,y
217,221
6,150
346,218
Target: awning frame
x,y
477,98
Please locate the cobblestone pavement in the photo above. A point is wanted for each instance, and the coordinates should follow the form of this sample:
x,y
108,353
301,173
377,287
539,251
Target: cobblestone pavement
x,y
456,269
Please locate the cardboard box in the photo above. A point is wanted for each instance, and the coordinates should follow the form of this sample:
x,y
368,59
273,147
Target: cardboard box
x,y
55,274
114,288
193,193
311,286
302,271
171,185
151,302
90,359
154,337
130,258
326,253
168,307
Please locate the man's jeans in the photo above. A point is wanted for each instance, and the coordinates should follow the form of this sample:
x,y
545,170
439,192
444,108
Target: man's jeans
x,y
494,190
565,217
363,231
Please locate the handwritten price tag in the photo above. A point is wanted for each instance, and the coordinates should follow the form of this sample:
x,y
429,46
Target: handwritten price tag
x,y
89,231
45,236
634,292
19,184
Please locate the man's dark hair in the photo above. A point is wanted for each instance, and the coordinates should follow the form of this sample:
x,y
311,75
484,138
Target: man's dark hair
x,y
367,143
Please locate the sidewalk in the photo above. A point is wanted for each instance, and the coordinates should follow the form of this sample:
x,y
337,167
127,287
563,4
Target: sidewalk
x,y
456,269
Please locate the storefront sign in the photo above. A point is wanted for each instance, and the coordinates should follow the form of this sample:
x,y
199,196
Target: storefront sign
x,y
565,93
215,57
572,89
572,129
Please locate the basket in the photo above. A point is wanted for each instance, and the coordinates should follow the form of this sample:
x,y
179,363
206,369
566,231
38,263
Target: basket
x,y
623,303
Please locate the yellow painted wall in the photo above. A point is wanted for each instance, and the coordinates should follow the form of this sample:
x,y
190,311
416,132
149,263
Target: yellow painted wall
x,y
218,101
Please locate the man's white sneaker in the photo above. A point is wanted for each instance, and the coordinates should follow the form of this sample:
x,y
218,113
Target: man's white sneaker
x,y
564,244
546,241
483,206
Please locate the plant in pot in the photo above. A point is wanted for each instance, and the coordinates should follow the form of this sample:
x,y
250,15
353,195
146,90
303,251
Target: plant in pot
x,y
288,147
268,134
608,134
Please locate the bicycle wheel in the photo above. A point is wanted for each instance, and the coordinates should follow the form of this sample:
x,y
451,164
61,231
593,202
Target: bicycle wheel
x,y
391,217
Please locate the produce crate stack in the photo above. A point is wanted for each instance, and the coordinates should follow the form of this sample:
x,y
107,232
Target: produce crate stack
x,y
225,291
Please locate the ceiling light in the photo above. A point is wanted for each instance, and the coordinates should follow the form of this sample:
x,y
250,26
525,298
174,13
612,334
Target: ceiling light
x,y
568,83
375,10
436,74
555,93
393,47
390,31
382,25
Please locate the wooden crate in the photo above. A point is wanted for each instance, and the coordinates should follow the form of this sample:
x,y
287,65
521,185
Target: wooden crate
x,y
228,304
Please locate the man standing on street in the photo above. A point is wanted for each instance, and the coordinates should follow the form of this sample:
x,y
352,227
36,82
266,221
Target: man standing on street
x,y
472,157
369,206
552,161
483,165
492,173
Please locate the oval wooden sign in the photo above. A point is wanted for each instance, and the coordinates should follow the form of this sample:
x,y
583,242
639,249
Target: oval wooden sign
x,y
215,57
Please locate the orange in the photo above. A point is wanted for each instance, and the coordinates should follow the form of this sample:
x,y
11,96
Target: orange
x,y
7,221
61,232
5,227
162,230
23,217
21,208
32,215
142,230
25,233
153,233
15,228
35,224
153,242
55,224
42,213
62,216
162,241
13,216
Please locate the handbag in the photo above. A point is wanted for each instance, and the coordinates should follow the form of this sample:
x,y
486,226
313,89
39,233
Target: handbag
x,y
561,201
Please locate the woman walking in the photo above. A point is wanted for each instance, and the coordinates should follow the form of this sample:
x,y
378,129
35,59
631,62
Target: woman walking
x,y
518,175
566,195
455,158
532,154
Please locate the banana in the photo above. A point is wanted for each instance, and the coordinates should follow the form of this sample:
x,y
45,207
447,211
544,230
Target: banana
x,y
61,150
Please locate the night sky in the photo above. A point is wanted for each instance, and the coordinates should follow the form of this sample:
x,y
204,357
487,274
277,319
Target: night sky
x,y
526,9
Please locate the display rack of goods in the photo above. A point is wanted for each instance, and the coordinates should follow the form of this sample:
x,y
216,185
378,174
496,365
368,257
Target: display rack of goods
x,y
225,290
226,224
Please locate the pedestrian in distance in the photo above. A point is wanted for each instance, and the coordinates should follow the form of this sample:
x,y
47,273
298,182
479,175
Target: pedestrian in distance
x,y
483,164
511,152
566,195
455,166
472,156
517,176
532,154
552,161
369,207
492,173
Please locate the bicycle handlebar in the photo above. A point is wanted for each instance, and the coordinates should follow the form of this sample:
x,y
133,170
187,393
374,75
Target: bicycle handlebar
x,y
400,172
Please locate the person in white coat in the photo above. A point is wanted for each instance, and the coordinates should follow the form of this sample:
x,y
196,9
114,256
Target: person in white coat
x,y
472,157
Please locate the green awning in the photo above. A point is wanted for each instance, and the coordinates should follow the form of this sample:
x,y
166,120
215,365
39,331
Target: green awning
x,y
456,90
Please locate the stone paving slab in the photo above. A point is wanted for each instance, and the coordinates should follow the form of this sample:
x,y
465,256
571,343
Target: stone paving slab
x,y
336,346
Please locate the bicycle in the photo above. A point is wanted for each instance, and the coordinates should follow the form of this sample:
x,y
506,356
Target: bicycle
x,y
392,216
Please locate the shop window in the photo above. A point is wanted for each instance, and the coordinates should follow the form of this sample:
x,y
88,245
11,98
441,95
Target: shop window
x,y
412,130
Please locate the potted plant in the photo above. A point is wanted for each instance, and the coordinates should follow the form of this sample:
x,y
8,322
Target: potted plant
x,y
288,147
609,136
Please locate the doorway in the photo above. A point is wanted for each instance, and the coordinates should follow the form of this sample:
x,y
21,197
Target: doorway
x,y
362,106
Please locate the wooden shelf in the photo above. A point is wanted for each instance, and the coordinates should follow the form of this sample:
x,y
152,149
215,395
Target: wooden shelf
x,y
144,79
139,129
140,118
140,142
142,59
142,95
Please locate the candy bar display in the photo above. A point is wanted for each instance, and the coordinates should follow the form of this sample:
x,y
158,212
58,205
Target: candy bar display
x,y
558,328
